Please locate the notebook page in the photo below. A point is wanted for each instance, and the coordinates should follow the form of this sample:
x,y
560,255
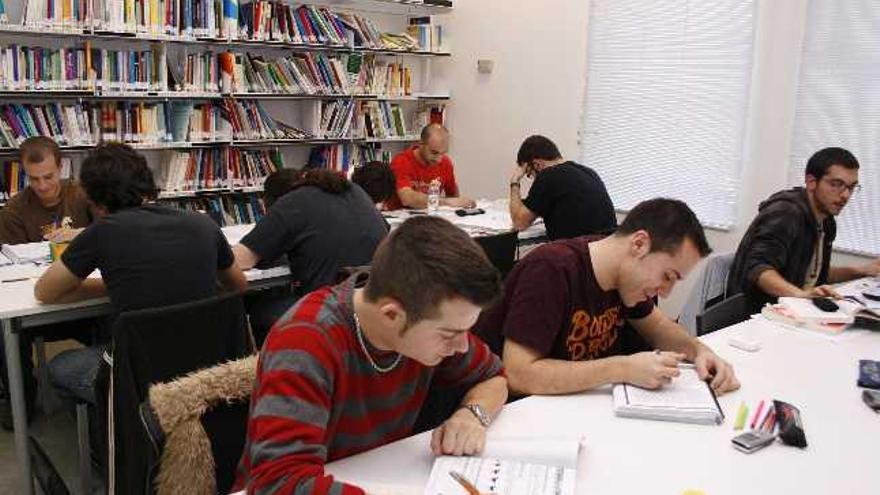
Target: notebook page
x,y
686,391
551,451
491,475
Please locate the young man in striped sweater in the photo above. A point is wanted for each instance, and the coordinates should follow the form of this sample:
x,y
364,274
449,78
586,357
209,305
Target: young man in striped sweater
x,y
348,367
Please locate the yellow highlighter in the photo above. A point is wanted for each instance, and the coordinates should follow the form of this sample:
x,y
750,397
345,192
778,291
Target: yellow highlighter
x,y
741,415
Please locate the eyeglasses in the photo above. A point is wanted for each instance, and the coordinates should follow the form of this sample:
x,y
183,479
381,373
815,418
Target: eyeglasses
x,y
839,186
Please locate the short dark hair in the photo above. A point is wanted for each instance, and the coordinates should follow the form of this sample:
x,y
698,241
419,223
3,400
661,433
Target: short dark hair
x,y
282,181
35,149
377,179
428,260
431,129
669,222
116,177
537,148
822,160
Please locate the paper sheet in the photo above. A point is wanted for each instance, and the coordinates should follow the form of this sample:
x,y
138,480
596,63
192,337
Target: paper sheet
x,y
511,467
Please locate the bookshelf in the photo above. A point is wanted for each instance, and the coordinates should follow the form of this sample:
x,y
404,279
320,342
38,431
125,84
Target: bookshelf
x,y
316,83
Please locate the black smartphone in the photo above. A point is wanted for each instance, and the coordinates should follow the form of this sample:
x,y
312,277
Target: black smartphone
x,y
825,304
469,211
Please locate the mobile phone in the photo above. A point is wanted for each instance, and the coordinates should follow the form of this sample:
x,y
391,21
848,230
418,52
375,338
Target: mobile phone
x,y
825,304
469,211
872,399
751,441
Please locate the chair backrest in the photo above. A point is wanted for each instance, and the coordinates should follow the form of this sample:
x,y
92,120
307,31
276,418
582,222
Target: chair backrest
x,y
709,288
728,312
157,345
197,425
500,249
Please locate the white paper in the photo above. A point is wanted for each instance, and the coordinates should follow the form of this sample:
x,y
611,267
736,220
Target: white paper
x,y
512,466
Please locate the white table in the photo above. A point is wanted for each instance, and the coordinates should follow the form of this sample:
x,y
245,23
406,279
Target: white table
x,y
630,456
495,220
20,311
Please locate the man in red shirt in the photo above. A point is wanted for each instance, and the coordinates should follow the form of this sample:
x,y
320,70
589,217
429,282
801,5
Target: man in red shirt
x,y
348,367
416,167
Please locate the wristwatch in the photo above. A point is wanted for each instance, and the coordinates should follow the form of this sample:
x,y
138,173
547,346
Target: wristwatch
x,y
514,184
479,412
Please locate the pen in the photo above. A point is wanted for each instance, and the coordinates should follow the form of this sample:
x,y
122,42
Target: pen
x,y
467,485
757,414
17,279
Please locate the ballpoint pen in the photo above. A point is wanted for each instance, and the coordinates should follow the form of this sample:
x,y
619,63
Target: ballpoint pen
x,y
464,482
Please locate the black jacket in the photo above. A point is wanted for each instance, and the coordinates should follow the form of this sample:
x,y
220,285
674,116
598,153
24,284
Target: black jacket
x,y
782,237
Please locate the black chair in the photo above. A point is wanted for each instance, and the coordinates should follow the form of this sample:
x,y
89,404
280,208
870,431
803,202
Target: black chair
x,y
500,249
198,426
158,345
724,314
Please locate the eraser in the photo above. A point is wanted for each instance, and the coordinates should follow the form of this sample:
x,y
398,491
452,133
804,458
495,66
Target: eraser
x,y
745,344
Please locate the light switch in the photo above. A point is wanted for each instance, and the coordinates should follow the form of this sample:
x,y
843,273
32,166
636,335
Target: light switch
x,y
485,66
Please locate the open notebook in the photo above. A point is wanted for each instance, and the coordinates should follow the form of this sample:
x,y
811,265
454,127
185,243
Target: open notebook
x,y
686,400
522,466
35,252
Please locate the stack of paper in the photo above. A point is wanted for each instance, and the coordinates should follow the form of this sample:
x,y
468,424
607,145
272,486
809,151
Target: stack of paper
x,y
34,252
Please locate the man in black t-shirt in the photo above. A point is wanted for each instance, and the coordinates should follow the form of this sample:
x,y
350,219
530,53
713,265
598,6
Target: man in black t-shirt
x,y
558,326
322,222
570,197
148,255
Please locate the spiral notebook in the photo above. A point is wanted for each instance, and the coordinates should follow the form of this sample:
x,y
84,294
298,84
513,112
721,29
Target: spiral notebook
x,y
686,400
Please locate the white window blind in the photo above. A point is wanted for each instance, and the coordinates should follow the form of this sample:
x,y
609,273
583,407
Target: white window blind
x,y
838,104
666,99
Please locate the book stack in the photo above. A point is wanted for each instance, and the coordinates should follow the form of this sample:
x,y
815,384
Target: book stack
x,y
432,114
218,168
298,73
135,16
428,35
279,21
56,14
380,119
130,70
345,157
34,68
67,124
134,123
403,41
195,73
390,80
250,121
336,118
226,210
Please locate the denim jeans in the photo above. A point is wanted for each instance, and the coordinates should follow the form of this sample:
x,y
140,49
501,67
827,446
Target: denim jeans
x,y
73,373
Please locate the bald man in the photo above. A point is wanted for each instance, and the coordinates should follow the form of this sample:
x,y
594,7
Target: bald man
x,y
415,169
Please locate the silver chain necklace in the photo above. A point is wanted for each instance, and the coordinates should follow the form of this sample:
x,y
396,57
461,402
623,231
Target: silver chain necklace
x,y
373,363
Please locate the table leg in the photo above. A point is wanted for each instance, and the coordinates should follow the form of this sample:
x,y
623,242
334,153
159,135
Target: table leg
x,y
16,398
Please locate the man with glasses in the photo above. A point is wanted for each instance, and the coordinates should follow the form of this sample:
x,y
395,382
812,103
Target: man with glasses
x,y
787,248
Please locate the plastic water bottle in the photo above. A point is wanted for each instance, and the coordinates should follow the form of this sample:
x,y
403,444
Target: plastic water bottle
x,y
434,197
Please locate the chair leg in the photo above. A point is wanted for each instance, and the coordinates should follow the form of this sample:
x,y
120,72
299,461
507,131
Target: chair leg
x,y
85,461
42,375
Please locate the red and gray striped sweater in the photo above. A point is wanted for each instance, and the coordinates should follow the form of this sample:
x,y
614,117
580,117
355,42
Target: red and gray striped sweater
x,y
317,398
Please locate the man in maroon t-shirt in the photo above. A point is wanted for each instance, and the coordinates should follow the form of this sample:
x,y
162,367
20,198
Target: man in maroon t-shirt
x,y
558,327
422,164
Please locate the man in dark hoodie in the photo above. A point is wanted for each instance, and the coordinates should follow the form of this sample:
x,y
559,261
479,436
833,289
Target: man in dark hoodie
x,y
787,249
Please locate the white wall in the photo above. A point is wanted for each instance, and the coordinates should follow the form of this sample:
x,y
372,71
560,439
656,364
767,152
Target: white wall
x,y
539,49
